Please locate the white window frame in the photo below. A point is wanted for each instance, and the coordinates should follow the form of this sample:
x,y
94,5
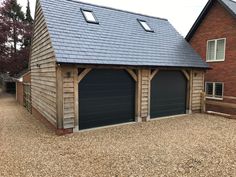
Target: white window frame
x,y
215,52
213,91
147,25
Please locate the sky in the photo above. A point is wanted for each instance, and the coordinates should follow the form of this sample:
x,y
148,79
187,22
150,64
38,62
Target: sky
x,y
180,13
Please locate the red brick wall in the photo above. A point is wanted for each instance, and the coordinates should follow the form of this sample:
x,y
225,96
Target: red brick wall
x,y
219,23
19,93
20,88
27,78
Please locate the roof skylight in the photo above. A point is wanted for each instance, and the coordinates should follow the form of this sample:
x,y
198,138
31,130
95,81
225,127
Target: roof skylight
x,y
89,16
145,26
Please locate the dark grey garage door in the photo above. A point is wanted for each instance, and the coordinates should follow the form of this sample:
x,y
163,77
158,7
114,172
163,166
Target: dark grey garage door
x,y
106,97
168,94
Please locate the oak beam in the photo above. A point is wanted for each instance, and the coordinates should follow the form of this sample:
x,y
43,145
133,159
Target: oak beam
x,y
83,74
153,74
132,73
186,74
59,98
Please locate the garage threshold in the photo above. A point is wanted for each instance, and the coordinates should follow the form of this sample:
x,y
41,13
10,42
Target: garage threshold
x,y
168,117
76,130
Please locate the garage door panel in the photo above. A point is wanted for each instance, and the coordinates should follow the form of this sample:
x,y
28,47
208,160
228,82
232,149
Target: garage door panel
x,y
170,106
107,101
101,107
106,97
101,122
169,101
100,86
110,93
168,94
90,122
167,112
104,116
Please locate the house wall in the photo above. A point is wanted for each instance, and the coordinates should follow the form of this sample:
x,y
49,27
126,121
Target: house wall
x,y
43,71
219,23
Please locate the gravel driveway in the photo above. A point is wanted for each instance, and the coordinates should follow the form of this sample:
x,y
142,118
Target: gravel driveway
x,y
195,145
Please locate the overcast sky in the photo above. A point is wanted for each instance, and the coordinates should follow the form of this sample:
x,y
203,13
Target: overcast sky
x,y
181,13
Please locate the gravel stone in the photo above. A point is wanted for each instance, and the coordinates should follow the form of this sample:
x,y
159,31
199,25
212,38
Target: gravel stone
x,y
193,145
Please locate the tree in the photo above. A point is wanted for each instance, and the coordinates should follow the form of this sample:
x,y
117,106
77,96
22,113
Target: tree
x,y
28,16
4,28
13,17
28,26
15,36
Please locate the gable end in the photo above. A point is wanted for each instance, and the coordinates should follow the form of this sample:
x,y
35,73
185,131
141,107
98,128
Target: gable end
x,y
202,15
43,70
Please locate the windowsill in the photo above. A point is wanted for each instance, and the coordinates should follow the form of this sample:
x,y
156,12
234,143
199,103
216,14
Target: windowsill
x,y
214,98
214,61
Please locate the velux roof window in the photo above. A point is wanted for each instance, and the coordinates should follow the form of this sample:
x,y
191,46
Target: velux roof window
x,y
145,26
89,16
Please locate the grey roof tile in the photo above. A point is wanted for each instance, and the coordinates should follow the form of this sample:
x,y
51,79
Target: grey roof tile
x,y
118,39
231,5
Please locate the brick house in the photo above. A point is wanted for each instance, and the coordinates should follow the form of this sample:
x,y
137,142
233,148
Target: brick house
x,y
213,36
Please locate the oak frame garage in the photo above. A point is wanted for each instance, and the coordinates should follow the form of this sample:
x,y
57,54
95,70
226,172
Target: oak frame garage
x,y
67,49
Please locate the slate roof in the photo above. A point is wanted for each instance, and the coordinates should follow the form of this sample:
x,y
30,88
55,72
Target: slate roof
x,y
118,39
229,5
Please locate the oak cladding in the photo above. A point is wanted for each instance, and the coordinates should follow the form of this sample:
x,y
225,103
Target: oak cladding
x,y
197,89
43,70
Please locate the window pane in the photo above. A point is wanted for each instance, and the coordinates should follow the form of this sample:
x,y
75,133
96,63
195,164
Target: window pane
x,y
209,89
211,50
220,49
89,16
145,25
218,90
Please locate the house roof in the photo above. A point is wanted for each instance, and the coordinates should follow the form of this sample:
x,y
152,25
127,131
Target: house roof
x,y
118,39
229,5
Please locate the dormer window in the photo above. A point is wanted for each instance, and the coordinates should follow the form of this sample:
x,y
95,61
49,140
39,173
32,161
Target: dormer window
x,y
145,26
89,16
